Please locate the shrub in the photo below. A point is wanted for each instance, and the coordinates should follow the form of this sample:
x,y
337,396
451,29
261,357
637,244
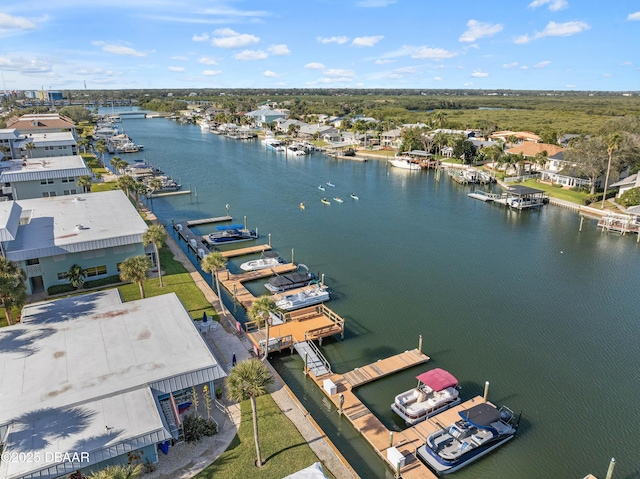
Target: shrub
x,y
60,288
630,198
196,427
557,185
102,281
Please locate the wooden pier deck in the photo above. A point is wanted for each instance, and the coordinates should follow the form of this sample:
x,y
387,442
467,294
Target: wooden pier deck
x,y
206,221
194,242
232,253
377,434
169,193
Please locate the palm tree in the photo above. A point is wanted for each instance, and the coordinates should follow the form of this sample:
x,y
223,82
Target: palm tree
x,y
101,147
84,143
260,312
440,117
85,182
157,236
248,380
117,164
136,270
153,186
13,289
211,264
128,471
76,275
29,147
126,183
613,143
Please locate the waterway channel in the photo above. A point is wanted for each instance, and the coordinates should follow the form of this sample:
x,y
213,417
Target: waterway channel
x,y
547,314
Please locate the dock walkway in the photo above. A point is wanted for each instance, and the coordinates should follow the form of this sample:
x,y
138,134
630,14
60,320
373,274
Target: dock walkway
x,y
233,282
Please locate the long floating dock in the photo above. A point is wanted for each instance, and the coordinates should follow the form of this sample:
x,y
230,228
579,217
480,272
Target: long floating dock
x,y
206,221
233,282
169,193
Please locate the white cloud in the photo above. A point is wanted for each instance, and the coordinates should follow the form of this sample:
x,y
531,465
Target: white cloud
x,y
634,16
200,38
468,84
510,65
567,29
207,61
375,3
336,72
270,74
554,29
25,66
542,64
314,66
366,41
478,30
554,5
180,58
279,50
571,86
479,74
626,63
524,67
607,75
227,38
438,78
210,73
119,49
251,55
334,80
338,40
434,53
406,70
384,62
11,25
176,69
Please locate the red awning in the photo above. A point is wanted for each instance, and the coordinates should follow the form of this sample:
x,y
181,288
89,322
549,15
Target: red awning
x,y
438,379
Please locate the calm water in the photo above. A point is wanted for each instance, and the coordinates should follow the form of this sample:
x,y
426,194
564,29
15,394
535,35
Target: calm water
x,y
547,314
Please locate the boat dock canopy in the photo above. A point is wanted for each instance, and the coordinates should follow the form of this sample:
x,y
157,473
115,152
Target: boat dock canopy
x,y
438,379
481,415
518,190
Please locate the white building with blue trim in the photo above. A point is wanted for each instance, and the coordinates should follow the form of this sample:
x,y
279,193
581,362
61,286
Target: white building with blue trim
x,y
89,381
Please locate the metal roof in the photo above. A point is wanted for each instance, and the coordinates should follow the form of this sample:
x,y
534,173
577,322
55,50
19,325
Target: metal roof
x,y
82,374
519,190
10,213
72,224
44,168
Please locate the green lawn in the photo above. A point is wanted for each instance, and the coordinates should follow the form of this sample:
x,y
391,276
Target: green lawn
x,y
106,186
560,193
283,449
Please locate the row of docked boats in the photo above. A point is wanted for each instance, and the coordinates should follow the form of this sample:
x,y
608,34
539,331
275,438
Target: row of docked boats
x,y
153,178
480,429
231,234
295,149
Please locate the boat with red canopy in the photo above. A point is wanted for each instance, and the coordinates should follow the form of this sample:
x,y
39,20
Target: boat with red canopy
x,y
436,392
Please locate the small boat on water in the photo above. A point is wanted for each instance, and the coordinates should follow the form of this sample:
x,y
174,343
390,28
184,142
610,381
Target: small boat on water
x,y
301,206
325,201
321,188
285,282
273,144
231,235
338,200
269,259
482,429
354,196
330,184
405,164
314,295
436,392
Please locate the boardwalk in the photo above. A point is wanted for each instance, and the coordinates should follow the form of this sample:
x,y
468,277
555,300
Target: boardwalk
x,y
232,253
233,282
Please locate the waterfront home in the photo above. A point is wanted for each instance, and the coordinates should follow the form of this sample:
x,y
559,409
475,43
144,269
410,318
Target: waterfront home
x,y
631,181
265,116
391,139
534,152
283,126
91,381
520,136
325,132
42,123
42,177
46,236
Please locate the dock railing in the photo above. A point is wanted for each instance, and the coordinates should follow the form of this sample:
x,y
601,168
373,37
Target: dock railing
x,y
320,356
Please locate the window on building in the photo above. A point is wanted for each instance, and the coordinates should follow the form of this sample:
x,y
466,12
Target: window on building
x,y
62,276
52,193
73,192
45,194
65,192
64,180
96,270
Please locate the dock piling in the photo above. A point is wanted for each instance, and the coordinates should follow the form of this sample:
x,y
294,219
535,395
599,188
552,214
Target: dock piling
x,y
420,344
291,255
245,221
390,438
269,240
341,403
227,207
306,357
486,391
612,464
581,221
322,280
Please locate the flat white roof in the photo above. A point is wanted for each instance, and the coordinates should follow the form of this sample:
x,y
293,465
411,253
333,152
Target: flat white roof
x,y
71,224
80,374
53,138
43,168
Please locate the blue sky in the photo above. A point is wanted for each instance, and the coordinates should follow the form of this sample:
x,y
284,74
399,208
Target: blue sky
x,y
512,44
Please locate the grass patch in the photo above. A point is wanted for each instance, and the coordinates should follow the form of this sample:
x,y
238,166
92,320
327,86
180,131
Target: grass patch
x,y
182,284
282,447
169,265
554,192
106,186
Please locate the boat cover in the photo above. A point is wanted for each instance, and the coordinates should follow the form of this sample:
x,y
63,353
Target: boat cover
x,y
289,279
270,254
438,379
481,415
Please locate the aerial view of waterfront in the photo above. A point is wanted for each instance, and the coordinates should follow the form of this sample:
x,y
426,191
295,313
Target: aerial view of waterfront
x,y
545,312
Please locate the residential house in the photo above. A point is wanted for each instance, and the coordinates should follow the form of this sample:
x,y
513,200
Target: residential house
x,y
283,126
9,138
42,177
391,138
89,381
520,136
324,132
46,236
47,145
632,181
265,116
533,151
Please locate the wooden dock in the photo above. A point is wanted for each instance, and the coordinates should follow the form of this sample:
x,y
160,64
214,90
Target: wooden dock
x,y
194,242
381,438
169,193
206,221
233,282
232,253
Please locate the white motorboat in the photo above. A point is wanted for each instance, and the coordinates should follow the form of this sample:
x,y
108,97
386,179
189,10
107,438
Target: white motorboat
x,y
405,164
296,150
269,259
436,392
273,144
310,296
482,429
